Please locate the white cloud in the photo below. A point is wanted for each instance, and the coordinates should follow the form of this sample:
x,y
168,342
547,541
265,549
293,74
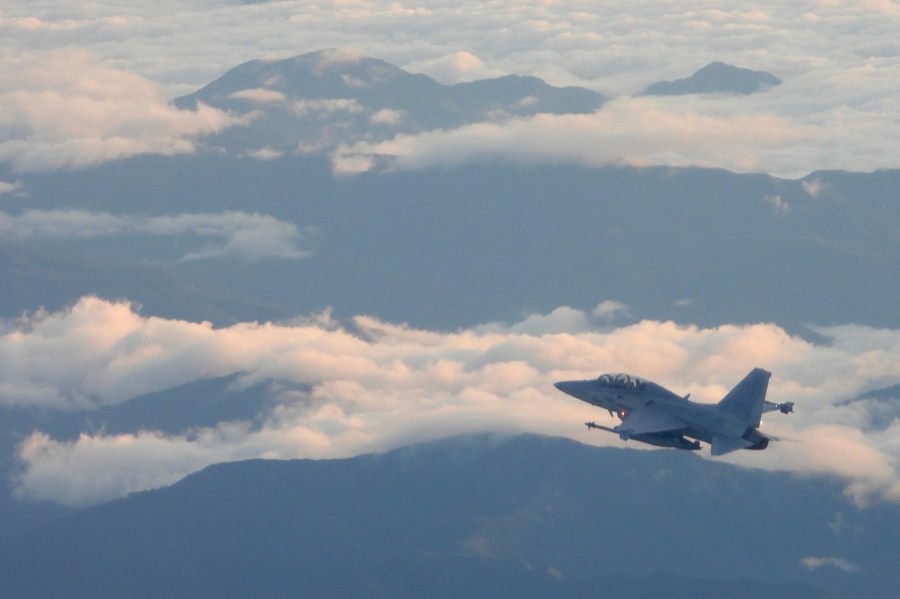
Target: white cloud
x,y
261,95
64,109
338,56
125,465
7,187
352,163
387,116
637,131
265,154
814,563
560,320
454,68
304,108
373,385
234,234
814,187
610,310
564,319
780,206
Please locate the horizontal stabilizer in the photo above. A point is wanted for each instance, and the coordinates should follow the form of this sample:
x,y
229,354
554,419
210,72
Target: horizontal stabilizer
x,y
722,445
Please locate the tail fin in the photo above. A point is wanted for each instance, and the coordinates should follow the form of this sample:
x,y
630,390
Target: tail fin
x,y
745,401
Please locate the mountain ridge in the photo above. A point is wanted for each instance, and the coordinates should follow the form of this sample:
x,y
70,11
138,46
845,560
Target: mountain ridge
x,y
716,77
735,247
321,99
484,511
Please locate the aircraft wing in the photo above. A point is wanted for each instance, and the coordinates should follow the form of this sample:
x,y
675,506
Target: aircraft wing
x,y
642,421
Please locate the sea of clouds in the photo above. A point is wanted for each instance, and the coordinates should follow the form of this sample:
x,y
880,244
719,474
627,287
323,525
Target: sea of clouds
x,y
340,389
82,84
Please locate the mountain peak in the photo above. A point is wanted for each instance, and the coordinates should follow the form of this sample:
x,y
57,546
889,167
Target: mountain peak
x,y
716,77
342,63
323,74
333,96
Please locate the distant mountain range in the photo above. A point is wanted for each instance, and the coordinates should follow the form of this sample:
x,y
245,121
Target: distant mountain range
x,y
318,100
692,245
716,77
472,516
699,245
50,278
884,408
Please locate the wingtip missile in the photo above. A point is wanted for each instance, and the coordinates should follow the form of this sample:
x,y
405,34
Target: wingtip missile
x,y
600,427
785,408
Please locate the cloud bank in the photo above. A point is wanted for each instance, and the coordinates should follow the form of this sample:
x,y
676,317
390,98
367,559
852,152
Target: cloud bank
x,y
634,131
838,107
65,109
343,389
234,234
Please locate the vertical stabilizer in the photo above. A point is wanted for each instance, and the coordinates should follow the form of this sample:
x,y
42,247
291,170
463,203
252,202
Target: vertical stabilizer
x,y
745,401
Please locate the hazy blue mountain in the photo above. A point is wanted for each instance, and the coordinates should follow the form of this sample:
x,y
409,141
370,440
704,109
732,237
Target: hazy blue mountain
x,y
697,245
694,245
884,406
472,516
203,403
320,99
716,78
51,276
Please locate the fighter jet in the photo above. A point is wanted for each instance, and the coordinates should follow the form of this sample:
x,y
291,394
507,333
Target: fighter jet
x,y
653,414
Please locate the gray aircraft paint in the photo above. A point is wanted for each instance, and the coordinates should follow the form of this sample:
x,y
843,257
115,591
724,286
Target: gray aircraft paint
x,y
652,414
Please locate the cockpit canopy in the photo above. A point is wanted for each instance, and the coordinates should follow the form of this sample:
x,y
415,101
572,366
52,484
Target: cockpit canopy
x,y
621,381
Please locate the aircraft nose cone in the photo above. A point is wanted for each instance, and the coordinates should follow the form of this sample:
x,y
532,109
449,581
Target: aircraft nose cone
x,y
565,386
577,389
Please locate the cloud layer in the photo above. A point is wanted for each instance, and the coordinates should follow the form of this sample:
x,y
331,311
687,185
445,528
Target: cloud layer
x,y
635,131
65,109
838,107
232,234
340,390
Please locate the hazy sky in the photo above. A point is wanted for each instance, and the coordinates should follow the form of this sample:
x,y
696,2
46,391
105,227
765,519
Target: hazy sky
x,y
86,82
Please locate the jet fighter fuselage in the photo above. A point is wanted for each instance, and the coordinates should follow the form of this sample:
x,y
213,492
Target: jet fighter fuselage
x,y
652,414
